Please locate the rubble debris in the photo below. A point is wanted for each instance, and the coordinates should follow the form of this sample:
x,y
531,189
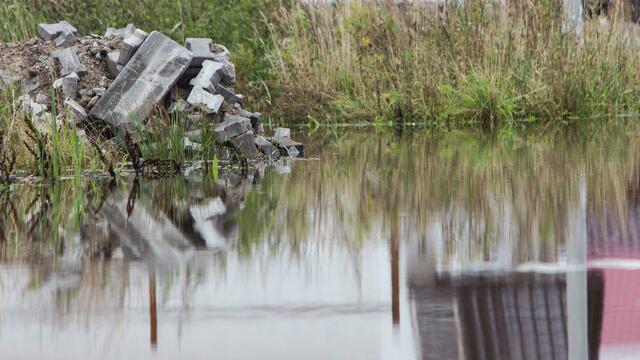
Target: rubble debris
x,y
293,148
282,133
144,81
179,106
130,45
112,64
30,84
76,110
229,95
232,126
66,39
204,100
31,106
266,147
189,145
209,77
116,81
245,144
69,62
201,50
70,86
48,32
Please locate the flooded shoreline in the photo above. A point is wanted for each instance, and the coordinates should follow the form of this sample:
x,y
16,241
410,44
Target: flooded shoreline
x,y
382,248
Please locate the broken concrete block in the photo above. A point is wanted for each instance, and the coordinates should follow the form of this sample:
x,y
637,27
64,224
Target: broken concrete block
x,y
112,63
66,39
75,110
201,50
30,84
188,75
57,84
28,105
69,62
245,144
189,145
122,32
220,53
194,135
204,100
229,73
129,30
232,126
229,95
70,85
99,91
179,106
282,133
48,32
209,77
130,45
266,147
93,102
293,148
111,32
42,99
143,82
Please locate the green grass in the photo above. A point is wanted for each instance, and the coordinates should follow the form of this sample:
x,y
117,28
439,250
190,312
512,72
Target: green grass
x,y
480,65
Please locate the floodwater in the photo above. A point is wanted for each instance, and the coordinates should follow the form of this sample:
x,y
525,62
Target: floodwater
x,y
376,247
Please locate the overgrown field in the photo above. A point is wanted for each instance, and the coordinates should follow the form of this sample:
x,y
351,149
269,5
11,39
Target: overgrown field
x,y
480,66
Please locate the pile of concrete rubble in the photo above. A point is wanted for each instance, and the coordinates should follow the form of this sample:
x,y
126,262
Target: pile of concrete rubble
x,y
119,79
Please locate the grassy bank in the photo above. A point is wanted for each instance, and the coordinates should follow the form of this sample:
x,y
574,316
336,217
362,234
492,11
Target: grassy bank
x,y
480,65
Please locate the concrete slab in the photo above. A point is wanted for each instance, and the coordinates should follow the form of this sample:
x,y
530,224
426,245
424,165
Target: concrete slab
x,y
146,79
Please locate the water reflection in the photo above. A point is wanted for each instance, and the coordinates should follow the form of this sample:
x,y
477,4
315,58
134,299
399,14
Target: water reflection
x,y
433,248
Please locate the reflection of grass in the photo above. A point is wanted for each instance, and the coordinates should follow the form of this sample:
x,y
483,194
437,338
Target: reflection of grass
x,y
479,192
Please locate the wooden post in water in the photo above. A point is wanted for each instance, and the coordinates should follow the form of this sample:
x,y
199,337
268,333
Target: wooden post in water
x,y
394,248
153,309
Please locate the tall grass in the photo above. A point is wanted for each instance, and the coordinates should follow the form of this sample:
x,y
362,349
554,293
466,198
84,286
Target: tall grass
x,y
480,64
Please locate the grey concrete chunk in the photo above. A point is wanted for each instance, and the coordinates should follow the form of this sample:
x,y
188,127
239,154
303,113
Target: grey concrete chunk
x,y
266,147
130,45
282,133
66,39
201,50
30,84
112,63
48,32
69,62
189,145
229,95
204,100
99,91
70,86
229,73
209,77
179,106
232,126
294,148
245,144
220,53
75,110
32,107
194,135
129,30
42,99
146,79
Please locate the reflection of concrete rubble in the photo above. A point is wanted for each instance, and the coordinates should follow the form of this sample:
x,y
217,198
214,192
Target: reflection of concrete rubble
x,y
119,79
142,229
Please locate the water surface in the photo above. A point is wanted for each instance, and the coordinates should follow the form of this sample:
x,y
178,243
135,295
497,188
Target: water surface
x,y
377,247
